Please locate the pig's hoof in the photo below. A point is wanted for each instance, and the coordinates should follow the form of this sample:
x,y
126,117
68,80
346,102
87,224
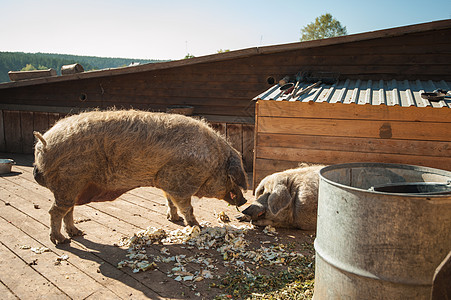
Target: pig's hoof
x,y
173,217
192,223
74,232
59,240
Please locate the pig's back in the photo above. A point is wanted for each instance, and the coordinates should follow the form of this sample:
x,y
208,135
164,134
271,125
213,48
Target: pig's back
x,y
119,140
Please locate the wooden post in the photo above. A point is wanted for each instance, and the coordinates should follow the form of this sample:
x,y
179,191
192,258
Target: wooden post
x,y
2,133
72,69
24,75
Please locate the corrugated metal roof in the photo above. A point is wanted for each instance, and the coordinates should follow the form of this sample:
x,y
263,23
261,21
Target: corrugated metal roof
x,y
404,93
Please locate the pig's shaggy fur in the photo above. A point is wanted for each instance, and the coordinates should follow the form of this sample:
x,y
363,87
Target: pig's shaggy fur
x,y
287,199
97,156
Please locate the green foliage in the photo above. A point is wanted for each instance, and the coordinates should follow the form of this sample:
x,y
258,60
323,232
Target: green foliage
x,y
325,26
296,281
188,56
222,51
15,61
30,67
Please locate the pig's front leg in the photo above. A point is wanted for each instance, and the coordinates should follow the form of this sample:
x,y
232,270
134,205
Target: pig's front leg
x,y
172,209
185,207
69,224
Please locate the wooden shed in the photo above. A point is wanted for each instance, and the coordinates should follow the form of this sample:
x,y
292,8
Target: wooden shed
x,y
221,87
353,121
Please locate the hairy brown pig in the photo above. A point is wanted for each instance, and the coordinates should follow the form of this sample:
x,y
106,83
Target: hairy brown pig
x,y
286,199
99,155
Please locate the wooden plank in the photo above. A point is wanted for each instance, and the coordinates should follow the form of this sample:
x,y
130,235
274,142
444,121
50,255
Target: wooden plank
x,y
85,259
406,147
256,145
12,131
425,131
72,95
53,118
2,133
393,45
364,57
268,108
63,277
248,147
235,136
6,293
265,167
219,127
23,280
40,121
26,128
105,256
335,157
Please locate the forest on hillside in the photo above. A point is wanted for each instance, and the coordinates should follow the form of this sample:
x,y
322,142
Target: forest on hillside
x,y
17,61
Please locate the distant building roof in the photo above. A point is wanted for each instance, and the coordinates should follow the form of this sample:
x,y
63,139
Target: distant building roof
x,y
386,33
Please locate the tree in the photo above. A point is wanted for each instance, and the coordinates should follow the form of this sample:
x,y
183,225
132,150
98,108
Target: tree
x,y
28,67
189,56
325,26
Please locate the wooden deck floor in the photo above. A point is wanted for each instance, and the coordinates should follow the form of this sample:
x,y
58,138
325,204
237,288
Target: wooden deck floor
x,y
91,272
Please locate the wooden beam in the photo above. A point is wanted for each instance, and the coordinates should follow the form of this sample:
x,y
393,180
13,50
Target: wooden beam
x,y
26,127
235,136
11,121
369,145
2,133
426,131
40,122
335,157
248,147
287,109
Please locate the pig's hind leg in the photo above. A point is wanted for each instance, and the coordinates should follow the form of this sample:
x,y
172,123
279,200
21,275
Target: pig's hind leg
x,y
69,224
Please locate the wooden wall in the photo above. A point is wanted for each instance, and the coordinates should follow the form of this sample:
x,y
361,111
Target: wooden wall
x,y
288,133
214,93
16,129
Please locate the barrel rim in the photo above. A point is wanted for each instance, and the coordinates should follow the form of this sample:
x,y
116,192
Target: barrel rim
x,y
382,165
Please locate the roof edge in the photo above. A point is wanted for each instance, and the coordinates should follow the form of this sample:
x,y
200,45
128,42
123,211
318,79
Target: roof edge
x,y
383,33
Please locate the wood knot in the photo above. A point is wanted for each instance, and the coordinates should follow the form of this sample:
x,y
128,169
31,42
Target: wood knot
x,y
385,131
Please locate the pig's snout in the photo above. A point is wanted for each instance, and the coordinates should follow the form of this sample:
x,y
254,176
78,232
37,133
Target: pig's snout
x,y
38,176
241,201
236,199
255,211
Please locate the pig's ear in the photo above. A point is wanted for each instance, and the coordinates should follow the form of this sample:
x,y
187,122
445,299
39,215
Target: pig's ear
x,y
279,199
236,171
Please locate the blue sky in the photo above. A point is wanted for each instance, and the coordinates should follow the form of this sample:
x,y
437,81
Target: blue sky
x,y
169,29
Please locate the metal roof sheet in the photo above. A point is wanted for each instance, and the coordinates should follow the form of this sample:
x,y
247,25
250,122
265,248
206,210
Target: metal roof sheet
x,y
404,93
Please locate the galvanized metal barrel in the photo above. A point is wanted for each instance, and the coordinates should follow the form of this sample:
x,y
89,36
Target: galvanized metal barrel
x,y
380,245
